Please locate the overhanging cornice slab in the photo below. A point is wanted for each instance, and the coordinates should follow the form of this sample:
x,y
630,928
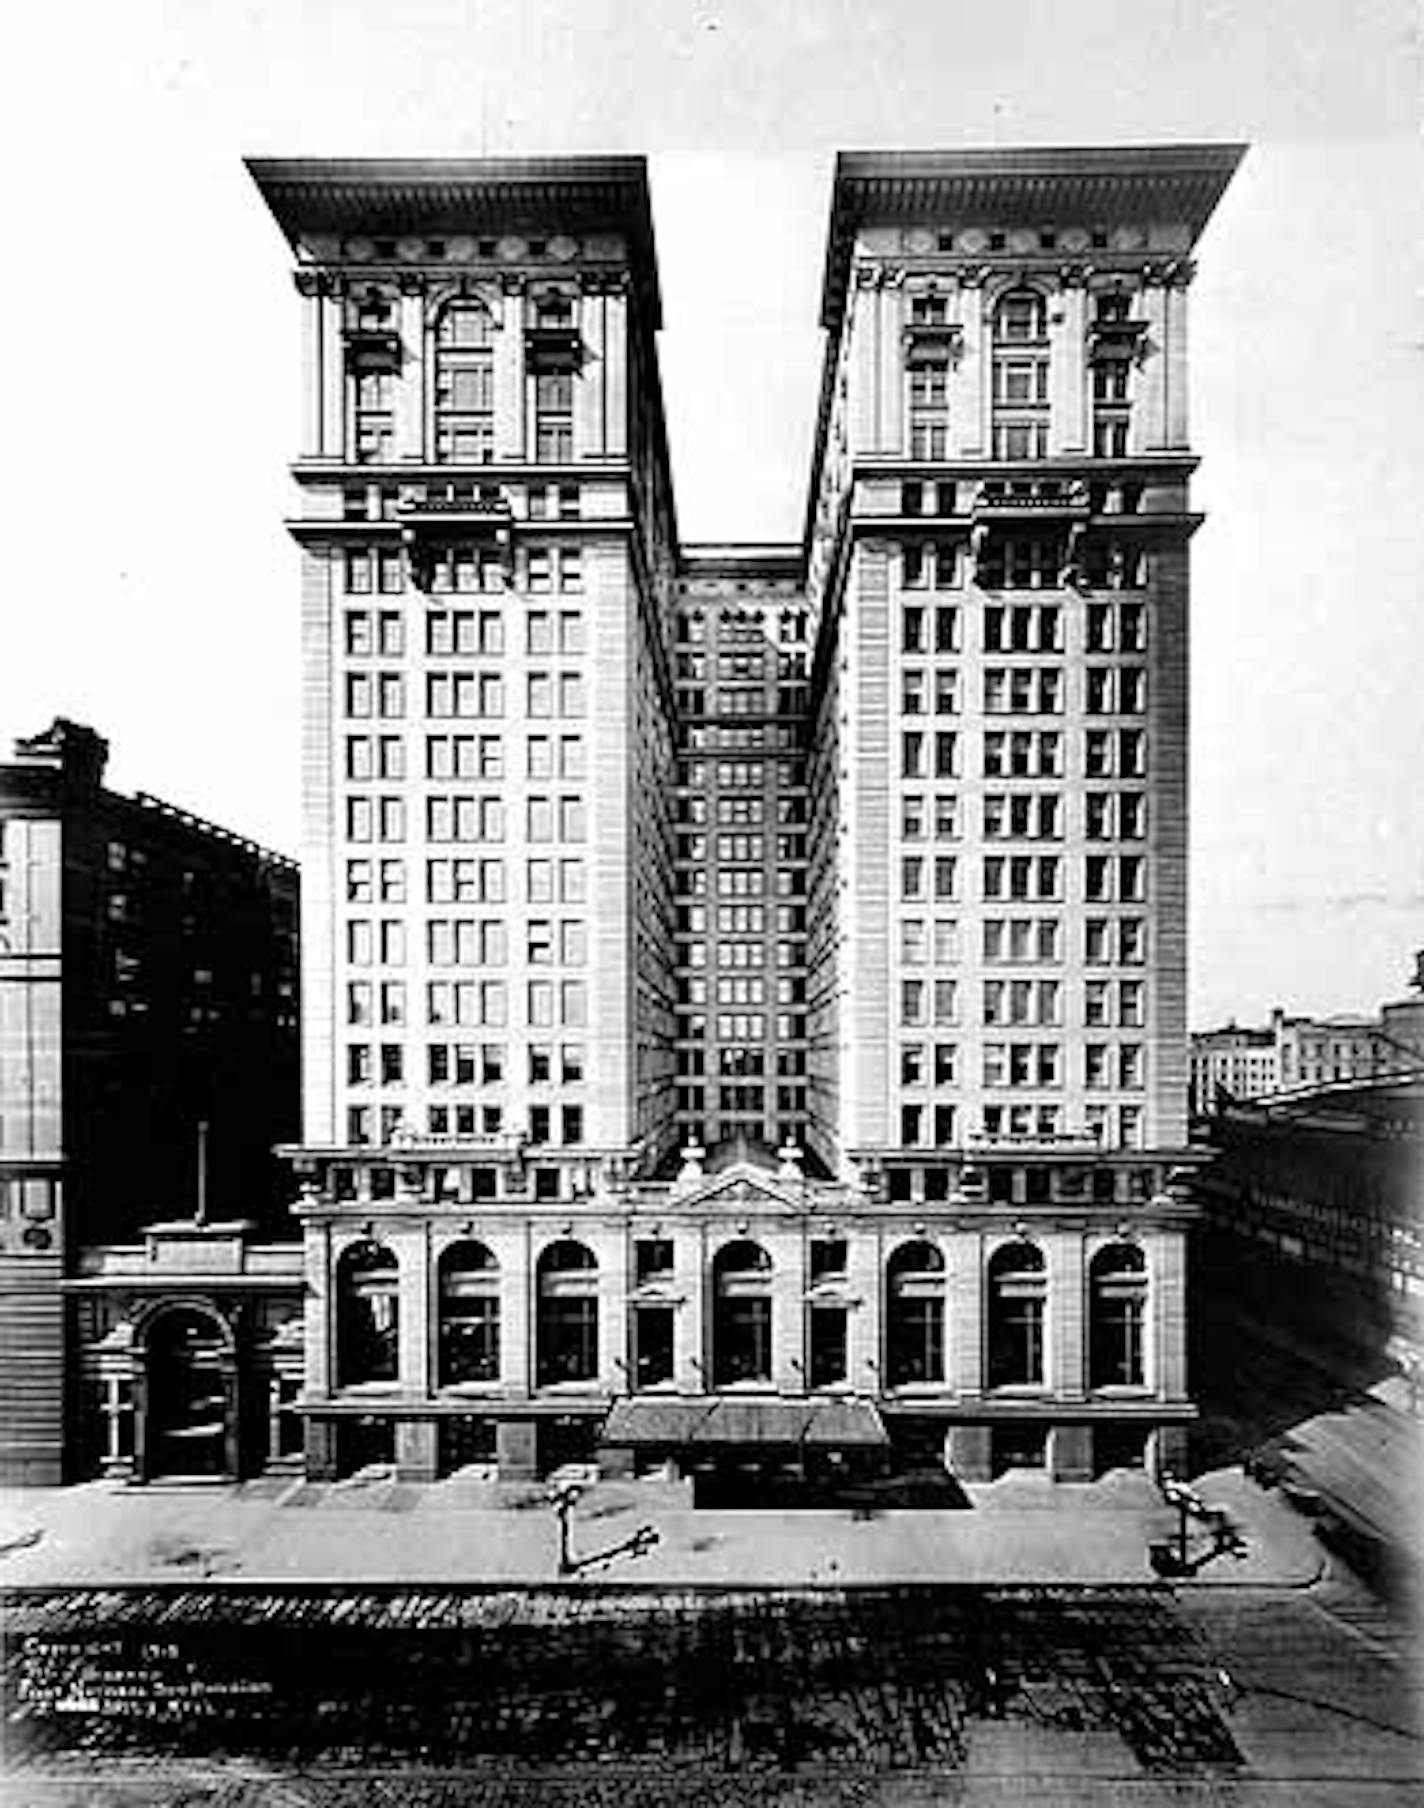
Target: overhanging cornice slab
x,y
1101,186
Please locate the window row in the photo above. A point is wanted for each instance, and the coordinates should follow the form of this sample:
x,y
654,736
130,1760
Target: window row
x,y
470,694
941,1126
465,818
482,1002
742,1026
469,1311
466,1063
464,880
741,919
745,954
465,570
469,632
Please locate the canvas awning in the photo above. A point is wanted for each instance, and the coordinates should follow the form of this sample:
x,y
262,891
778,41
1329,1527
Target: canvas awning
x,y
818,1424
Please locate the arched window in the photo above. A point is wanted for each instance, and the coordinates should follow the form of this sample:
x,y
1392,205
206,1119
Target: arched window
x,y
367,1315
468,1286
914,1316
464,385
1016,1294
566,1332
1117,1297
741,1314
1020,376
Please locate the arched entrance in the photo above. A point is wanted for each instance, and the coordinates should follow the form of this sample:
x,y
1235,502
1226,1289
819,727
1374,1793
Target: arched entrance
x,y
741,1315
566,1339
189,1422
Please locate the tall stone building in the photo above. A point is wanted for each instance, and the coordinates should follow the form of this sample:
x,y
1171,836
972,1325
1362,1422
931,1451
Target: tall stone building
x,y
745,986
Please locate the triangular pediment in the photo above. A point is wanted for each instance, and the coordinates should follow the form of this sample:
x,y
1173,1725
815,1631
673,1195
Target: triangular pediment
x,y
745,1188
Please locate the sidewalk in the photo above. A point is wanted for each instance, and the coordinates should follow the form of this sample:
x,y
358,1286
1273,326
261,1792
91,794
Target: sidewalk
x,y
1020,1529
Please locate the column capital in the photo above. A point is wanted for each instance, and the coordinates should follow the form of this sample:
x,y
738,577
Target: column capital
x,y
1169,273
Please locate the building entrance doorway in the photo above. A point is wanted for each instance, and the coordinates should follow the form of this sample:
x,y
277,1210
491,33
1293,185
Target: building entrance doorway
x,y
188,1428
741,1315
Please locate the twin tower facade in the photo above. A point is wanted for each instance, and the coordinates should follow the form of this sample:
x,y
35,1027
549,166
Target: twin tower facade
x,y
744,987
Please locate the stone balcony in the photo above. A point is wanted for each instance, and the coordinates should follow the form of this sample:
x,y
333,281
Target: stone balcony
x,y
1030,499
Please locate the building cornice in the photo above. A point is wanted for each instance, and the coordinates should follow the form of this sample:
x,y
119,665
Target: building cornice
x,y
414,195
1097,187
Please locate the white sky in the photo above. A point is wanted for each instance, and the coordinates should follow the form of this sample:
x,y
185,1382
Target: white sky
x,y
151,334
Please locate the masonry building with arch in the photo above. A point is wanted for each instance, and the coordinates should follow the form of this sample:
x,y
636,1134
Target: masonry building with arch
x,y
744,987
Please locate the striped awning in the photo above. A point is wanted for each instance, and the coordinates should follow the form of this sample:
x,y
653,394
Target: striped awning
x,y
726,1421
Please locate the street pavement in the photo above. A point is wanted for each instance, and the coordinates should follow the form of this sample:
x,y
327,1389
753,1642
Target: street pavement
x,y
1270,1680
1022,1528
233,1697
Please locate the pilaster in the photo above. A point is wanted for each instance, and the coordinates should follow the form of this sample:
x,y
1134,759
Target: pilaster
x,y
1167,1268
516,1328
890,309
863,1333
1066,1356
589,385
1149,431
860,325
970,401
333,378
309,285
1175,297
409,1248
613,1285
316,1315
409,385
1068,431
615,382
788,1311
965,1310
690,1347
509,399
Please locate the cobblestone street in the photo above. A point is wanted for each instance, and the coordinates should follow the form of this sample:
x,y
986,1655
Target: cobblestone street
x,y
229,1697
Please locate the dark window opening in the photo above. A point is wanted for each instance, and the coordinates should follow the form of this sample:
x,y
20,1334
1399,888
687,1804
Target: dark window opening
x,y
367,1315
1117,1295
652,1345
1016,1297
914,1328
566,1334
469,1315
828,1346
741,1315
